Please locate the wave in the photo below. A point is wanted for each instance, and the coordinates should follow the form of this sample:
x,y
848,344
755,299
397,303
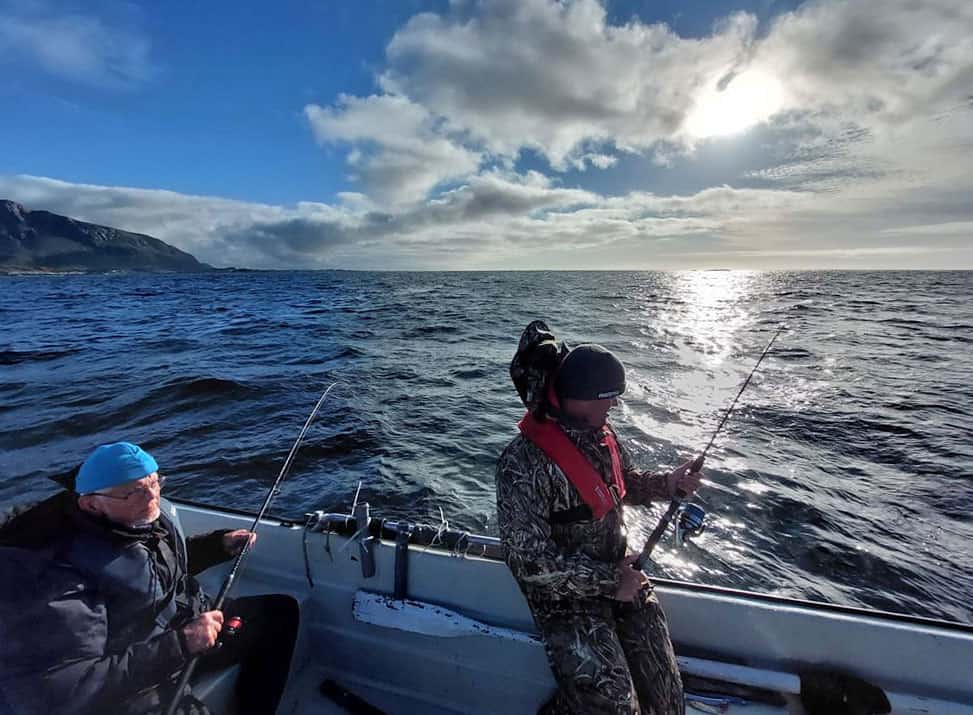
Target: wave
x,y
473,373
195,387
16,357
423,331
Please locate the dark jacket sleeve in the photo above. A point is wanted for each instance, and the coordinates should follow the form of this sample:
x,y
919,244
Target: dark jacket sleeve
x,y
54,648
523,499
642,487
206,550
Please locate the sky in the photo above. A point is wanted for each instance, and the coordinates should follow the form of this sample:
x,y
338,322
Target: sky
x,y
501,134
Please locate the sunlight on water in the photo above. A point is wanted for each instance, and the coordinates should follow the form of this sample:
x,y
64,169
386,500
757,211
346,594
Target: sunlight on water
x,y
711,311
702,326
754,487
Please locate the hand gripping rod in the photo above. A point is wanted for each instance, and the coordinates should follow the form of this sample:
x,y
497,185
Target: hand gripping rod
x,y
231,577
697,464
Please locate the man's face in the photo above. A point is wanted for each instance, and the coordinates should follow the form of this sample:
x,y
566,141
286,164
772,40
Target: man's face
x,y
134,503
593,413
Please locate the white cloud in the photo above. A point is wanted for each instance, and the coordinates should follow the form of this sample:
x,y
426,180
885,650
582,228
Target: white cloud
x,y
503,220
400,153
877,97
879,64
556,77
74,46
846,88
949,228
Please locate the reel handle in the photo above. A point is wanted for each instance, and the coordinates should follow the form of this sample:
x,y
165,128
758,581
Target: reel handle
x,y
233,626
231,629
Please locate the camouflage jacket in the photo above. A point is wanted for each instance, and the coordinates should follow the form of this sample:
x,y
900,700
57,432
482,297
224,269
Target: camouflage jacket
x,y
564,561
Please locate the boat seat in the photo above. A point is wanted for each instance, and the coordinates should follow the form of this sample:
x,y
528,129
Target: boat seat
x,y
218,689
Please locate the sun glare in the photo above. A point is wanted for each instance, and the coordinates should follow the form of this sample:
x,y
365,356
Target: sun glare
x,y
749,99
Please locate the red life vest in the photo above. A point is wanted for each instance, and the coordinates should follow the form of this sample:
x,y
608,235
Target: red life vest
x,y
553,442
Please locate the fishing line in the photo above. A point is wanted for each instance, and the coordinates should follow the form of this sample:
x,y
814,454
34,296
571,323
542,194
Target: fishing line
x,y
697,464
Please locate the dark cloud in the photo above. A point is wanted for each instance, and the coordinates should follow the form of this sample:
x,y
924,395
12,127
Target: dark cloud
x,y
292,240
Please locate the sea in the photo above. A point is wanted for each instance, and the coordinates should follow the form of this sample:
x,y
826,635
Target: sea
x,y
845,473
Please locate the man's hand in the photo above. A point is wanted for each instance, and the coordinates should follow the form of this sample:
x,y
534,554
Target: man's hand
x,y
683,479
630,581
201,632
234,541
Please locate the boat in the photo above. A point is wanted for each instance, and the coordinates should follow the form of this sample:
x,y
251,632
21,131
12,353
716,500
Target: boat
x,y
405,618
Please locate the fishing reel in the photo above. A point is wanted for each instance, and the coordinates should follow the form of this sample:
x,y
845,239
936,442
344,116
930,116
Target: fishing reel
x,y
690,523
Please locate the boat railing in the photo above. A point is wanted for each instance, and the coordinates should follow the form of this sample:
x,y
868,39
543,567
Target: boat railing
x,y
454,541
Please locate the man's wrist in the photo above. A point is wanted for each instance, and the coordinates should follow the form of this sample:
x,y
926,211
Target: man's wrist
x,y
183,643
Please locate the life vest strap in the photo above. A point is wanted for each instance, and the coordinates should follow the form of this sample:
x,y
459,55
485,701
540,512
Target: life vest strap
x,y
551,439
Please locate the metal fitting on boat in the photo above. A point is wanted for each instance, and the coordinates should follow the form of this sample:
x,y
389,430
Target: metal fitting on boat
x,y
401,577
314,520
366,542
362,517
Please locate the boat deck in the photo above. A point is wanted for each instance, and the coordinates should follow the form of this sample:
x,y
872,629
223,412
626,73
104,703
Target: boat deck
x,y
304,698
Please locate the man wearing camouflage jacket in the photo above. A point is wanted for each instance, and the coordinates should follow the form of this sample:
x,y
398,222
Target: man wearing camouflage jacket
x,y
604,630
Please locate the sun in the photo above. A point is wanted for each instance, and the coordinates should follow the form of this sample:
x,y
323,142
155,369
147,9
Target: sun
x,y
750,98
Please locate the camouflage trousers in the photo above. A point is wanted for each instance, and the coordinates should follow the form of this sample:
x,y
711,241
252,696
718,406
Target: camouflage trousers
x,y
611,657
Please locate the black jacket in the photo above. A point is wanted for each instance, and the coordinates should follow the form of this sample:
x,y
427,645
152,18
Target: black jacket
x,y
90,612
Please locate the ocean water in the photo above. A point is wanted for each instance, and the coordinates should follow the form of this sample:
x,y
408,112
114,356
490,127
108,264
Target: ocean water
x,y
845,475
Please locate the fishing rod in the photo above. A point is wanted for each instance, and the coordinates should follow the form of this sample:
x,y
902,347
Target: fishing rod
x,y
697,464
234,572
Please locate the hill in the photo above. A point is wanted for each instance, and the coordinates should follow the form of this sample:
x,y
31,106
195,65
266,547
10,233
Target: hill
x,y
45,241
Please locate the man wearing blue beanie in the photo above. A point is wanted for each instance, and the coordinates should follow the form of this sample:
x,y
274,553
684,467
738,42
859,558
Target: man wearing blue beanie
x,y
106,611
120,467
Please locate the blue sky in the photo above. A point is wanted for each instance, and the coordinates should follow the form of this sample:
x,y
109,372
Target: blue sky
x,y
501,134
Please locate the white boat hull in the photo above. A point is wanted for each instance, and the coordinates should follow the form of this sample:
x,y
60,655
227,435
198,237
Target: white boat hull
x,y
440,663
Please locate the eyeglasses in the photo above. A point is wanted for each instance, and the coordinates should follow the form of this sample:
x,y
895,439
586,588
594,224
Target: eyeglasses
x,y
146,489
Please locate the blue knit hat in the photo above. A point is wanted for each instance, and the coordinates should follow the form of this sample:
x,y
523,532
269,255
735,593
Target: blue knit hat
x,y
113,464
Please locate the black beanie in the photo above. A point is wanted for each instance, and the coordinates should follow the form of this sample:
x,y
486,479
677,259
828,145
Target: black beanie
x,y
589,372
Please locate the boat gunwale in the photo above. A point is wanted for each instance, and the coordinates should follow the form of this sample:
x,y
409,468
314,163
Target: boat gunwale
x,y
378,528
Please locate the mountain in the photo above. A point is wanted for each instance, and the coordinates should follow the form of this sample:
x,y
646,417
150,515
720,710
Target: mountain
x,y
45,241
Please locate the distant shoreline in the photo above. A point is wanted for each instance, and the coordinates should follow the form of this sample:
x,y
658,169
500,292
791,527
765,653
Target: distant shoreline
x,y
7,271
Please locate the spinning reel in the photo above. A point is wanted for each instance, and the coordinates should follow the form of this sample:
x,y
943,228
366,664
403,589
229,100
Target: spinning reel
x,y
690,523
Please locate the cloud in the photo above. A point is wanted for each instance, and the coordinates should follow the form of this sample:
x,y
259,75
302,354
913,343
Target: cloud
x,y
483,82
501,219
879,99
400,151
557,78
75,46
906,61
963,229
837,85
